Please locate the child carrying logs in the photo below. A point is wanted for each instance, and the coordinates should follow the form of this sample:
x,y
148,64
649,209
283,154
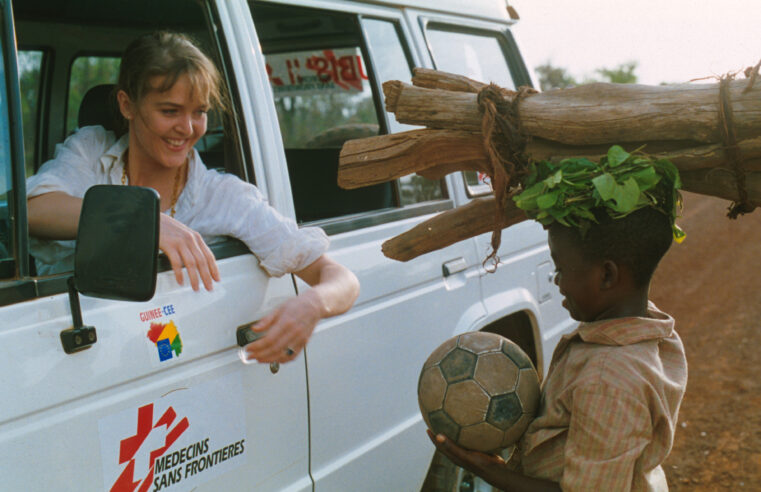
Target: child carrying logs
x,y
610,401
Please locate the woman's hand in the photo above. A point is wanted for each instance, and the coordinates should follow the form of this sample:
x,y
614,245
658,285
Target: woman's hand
x,y
184,247
288,329
290,325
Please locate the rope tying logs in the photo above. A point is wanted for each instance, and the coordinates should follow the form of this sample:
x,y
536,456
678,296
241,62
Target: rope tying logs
x,y
505,144
732,151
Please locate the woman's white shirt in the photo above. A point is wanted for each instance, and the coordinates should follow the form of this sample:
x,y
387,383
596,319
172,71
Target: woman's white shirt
x,y
212,203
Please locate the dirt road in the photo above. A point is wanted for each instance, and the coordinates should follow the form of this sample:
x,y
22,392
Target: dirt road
x,y
711,284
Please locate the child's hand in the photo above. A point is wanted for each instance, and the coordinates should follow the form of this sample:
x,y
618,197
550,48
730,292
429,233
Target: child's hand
x,y
490,467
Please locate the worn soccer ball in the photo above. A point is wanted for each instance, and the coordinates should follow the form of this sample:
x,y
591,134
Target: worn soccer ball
x,y
480,390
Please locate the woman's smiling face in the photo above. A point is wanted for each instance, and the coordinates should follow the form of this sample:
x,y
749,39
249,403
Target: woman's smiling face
x,y
164,126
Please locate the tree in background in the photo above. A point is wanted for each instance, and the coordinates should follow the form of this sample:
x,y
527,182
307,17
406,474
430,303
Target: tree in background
x,y
552,77
86,72
622,73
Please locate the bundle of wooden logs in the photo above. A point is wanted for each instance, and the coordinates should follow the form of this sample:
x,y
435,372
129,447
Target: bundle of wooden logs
x,y
710,131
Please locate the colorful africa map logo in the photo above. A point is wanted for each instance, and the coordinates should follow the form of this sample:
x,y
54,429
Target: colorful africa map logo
x,y
167,340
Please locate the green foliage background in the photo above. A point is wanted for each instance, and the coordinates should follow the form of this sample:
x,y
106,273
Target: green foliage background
x,y
86,72
553,77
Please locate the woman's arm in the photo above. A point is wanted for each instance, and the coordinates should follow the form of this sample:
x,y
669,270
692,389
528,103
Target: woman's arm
x,y
290,325
55,215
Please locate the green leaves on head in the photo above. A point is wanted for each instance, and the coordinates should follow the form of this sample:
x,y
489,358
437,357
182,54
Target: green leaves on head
x,y
620,183
605,184
617,156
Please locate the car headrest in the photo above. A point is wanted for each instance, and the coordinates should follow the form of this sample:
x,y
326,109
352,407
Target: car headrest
x,y
99,107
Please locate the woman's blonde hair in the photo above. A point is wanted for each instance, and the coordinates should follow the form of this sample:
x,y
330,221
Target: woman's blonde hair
x,y
168,55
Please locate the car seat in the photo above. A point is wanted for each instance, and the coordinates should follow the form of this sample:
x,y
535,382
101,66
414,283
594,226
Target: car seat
x,y
100,107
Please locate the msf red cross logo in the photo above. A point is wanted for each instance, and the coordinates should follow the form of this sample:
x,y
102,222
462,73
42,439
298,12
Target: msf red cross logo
x,y
129,447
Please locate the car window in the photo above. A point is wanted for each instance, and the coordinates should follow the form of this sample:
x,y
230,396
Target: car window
x,y
474,53
392,63
30,66
478,54
325,70
87,72
322,96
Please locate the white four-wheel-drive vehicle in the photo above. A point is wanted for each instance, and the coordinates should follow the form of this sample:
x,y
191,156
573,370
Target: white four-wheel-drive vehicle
x,y
151,395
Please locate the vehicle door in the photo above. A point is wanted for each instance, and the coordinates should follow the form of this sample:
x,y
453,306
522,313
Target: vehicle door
x,y
161,400
523,278
325,67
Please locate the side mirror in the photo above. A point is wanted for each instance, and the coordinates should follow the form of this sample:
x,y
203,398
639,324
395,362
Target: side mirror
x,y
116,255
117,243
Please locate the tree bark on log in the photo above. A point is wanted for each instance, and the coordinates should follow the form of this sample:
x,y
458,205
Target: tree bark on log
x,y
436,153
476,217
680,123
479,217
721,183
592,114
383,158
435,79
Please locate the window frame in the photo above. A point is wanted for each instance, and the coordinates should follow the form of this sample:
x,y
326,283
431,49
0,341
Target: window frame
x,y
510,51
353,222
349,222
419,207
234,116
18,286
42,102
70,71
405,44
17,215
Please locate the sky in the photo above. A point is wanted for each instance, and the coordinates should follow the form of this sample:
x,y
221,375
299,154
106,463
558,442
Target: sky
x,y
673,41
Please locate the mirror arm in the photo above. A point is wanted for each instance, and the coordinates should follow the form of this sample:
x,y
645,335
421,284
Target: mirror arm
x,y
78,337
76,310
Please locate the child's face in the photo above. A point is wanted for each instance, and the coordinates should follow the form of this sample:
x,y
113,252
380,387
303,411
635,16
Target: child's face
x,y
579,279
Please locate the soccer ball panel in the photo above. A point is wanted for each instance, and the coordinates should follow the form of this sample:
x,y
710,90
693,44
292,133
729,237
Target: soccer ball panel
x,y
482,436
496,373
514,433
516,354
431,389
440,423
480,342
440,352
528,390
466,402
504,411
457,365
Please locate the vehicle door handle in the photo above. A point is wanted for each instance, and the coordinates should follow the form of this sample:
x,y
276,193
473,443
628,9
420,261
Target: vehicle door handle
x,y
454,266
245,335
